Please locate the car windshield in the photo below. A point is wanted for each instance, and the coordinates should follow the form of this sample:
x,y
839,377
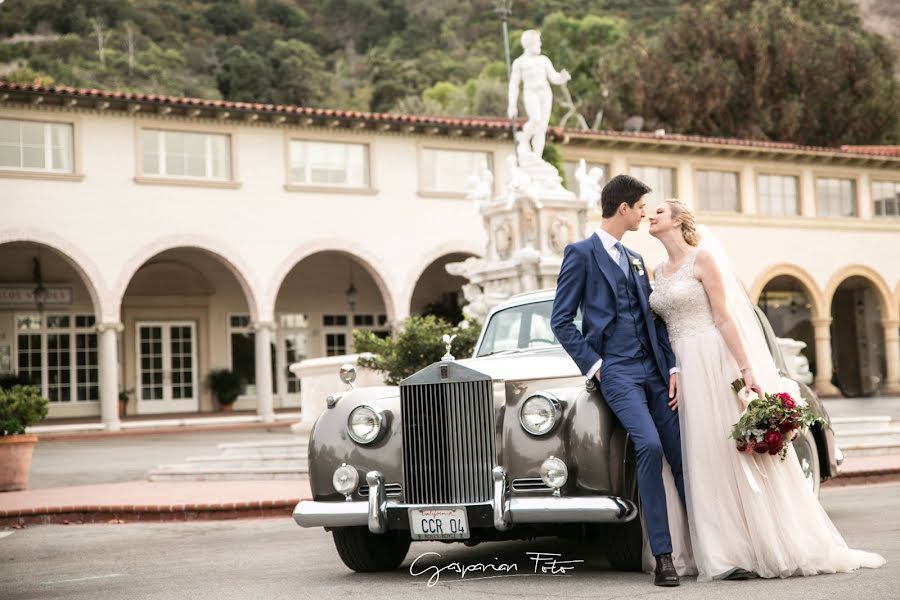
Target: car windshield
x,y
520,328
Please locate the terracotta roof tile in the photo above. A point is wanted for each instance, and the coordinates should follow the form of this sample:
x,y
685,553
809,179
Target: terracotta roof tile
x,y
494,123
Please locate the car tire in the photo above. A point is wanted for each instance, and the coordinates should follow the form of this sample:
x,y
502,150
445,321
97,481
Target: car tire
x,y
808,456
625,545
367,552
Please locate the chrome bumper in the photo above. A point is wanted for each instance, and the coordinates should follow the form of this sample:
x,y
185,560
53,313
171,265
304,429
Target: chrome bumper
x,y
507,511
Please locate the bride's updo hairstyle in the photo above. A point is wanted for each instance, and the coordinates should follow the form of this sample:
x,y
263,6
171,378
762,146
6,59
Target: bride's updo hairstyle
x,y
681,212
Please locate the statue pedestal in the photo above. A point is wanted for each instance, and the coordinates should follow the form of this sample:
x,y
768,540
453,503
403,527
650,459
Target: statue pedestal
x,y
528,226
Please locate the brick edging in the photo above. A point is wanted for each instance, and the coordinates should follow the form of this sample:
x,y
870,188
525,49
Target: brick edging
x,y
66,515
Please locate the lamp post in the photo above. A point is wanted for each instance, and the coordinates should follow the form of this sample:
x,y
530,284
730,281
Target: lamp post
x,y
40,292
351,292
504,9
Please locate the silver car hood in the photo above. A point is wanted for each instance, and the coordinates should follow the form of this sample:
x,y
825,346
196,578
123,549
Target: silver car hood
x,y
543,363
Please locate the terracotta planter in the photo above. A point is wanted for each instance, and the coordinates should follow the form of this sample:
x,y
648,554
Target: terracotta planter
x,y
122,409
227,408
15,461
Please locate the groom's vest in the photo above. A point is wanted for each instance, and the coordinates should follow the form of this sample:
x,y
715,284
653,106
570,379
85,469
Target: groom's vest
x,y
629,324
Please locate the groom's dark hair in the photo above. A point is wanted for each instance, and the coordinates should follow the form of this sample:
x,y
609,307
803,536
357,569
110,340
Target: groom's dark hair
x,y
621,188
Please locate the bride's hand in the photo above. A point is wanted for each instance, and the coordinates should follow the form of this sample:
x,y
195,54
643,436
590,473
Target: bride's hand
x,y
750,381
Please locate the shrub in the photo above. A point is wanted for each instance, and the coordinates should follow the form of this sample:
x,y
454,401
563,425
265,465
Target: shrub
x,y
226,385
21,406
415,345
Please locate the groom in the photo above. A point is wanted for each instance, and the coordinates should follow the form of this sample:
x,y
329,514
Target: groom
x,y
626,350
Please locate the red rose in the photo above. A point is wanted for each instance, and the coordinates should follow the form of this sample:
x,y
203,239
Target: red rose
x,y
786,401
741,446
761,447
786,427
773,438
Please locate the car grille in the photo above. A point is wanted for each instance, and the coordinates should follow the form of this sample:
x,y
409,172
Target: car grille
x,y
448,442
530,484
390,490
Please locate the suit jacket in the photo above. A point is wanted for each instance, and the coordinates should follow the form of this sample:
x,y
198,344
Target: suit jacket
x,y
587,282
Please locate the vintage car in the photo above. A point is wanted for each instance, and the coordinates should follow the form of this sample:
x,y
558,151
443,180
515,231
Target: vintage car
x,y
512,443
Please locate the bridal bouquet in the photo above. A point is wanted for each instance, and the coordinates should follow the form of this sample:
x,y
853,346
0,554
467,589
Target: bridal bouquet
x,y
770,423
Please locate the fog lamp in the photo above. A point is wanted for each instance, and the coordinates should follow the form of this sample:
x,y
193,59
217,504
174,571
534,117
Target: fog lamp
x,y
554,473
345,480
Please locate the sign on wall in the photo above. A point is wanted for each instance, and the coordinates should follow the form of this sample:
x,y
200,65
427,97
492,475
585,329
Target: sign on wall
x,y
23,295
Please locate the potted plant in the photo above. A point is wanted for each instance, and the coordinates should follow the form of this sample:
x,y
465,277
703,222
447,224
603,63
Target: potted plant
x,y
226,386
20,407
124,397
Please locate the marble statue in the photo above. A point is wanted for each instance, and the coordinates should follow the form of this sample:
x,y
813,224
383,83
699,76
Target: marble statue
x,y
481,184
536,73
588,184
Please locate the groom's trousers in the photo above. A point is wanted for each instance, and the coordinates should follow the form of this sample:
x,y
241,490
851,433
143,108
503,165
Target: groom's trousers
x,y
636,392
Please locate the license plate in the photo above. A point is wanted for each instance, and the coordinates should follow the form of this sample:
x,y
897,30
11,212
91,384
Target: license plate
x,y
438,524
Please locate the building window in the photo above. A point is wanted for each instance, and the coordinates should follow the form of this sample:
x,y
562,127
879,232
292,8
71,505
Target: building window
x,y
59,353
661,181
329,163
242,341
836,197
886,198
569,168
294,335
450,170
718,191
778,195
184,155
34,146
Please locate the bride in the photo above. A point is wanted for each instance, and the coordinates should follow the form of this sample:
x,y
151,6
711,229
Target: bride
x,y
746,513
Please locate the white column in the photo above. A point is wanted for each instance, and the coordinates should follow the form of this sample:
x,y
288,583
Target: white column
x,y
109,375
281,366
684,184
748,191
864,196
807,193
824,366
618,166
892,355
264,402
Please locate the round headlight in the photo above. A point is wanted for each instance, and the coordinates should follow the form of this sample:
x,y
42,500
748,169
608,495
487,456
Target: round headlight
x,y
365,424
345,479
554,472
539,413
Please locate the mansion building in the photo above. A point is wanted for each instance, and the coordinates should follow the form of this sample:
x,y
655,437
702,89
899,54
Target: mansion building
x,y
147,240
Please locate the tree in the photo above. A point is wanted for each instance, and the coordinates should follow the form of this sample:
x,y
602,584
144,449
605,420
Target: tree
x,y
789,70
415,345
244,76
299,74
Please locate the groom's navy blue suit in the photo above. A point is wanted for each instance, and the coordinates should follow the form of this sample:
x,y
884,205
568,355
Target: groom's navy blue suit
x,y
618,327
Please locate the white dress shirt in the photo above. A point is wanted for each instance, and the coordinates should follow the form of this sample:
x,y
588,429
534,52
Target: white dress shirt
x,y
609,244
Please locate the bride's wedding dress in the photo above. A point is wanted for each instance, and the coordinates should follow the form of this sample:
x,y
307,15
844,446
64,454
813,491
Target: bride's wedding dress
x,y
747,511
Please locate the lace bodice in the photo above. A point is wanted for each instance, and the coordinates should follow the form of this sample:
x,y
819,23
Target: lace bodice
x,y
681,301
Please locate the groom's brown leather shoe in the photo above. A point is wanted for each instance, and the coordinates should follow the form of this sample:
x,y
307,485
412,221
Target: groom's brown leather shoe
x,y
666,575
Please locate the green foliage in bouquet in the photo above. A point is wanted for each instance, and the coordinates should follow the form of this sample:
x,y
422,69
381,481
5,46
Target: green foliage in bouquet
x,y
414,346
770,423
21,406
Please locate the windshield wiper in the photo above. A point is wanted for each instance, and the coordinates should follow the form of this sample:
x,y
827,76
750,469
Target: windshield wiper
x,y
499,352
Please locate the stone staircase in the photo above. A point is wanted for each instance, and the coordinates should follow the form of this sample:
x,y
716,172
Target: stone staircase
x,y
867,436
241,461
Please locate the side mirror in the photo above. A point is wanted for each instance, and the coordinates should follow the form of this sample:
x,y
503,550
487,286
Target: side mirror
x,y
348,374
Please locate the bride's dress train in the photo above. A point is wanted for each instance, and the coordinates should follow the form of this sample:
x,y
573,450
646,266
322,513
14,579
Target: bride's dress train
x,y
746,511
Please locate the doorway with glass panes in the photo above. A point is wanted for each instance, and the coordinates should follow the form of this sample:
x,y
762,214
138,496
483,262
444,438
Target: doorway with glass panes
x,y
166,367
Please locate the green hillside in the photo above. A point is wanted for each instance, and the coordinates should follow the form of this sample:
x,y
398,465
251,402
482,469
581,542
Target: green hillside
x,y
797,70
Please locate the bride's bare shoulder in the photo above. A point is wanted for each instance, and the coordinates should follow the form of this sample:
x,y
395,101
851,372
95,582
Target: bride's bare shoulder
x,y
704,264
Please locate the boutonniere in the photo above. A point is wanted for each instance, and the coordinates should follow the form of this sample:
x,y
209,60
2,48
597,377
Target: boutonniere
x,y
637,266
